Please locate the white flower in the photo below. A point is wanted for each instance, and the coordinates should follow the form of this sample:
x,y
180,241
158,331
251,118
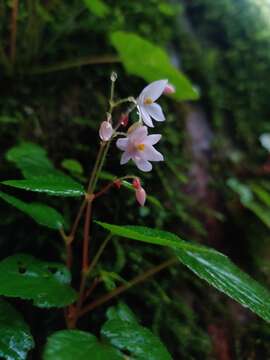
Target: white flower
x,y
146,102
138,146
265,141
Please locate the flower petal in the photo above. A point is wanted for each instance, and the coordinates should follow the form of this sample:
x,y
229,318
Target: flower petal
x,y
153,90
122,143
125,158
155,111
142,164
145,116
153,139
151,154
138,135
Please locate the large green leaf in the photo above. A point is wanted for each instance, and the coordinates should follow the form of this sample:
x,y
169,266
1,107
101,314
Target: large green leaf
x,y
136,339
51,185
47,284
40,174
207,263
32,160
15,336
78,345
42,214
142,58
97,7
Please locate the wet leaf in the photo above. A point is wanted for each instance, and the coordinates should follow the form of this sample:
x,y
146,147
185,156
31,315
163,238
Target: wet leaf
x,y
45,283
78,345
15,337
208,264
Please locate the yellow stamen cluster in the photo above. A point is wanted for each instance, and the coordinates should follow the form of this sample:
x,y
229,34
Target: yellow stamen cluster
x,y
140,147
148,101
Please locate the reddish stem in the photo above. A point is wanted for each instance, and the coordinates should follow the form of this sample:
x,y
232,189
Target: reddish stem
x,y
138,279
86,237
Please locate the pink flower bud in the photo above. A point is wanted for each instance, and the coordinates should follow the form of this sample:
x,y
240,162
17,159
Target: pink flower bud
x,y
117,183
124,119
105,131
136,183
140,196
169,89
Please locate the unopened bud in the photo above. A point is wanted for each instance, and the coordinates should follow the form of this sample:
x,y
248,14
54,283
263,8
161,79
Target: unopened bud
x,y
169,89
136,183
140,196
124,119
105,131
113,76
117,183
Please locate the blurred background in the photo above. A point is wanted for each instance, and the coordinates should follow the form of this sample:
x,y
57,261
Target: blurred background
x,y
56,58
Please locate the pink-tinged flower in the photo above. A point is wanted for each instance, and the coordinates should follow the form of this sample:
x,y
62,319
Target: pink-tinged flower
x,y
140,196
138,146
105,131
146,102
169,89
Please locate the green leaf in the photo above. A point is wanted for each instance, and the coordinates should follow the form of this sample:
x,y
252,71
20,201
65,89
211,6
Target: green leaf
x,y
42,214
97,7
121,312
40,173
46,283
15,336
51,185
138,340
78,345
207,263
32,160
148,61
73,166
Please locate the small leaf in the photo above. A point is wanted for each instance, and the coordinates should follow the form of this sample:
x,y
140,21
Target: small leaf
x,y
73,166
121,312
97,7
138,340
78,345
142,58
207,263
46,283
51,185
42,214
15,336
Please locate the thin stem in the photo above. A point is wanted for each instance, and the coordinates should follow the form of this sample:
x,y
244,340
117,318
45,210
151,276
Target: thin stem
x,y
13,27
77,220
94,171
98,254
138,279
86,237
102,160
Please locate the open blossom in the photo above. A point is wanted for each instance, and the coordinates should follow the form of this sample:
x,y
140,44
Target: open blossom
x,y
138,146
105,131
146,102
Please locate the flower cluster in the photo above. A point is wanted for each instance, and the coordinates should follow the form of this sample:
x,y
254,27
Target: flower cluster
x,y
137,145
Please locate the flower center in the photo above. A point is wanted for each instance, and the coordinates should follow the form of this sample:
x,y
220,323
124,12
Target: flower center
x,y
148,101
140,147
